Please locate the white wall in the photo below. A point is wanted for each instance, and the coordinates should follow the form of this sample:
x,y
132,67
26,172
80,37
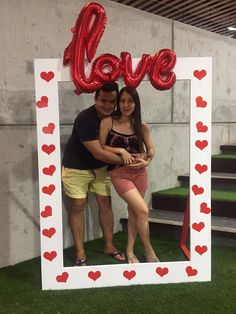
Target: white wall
x,y
41,29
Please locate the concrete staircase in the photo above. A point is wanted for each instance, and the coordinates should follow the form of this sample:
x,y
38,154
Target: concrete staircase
x,y
168,206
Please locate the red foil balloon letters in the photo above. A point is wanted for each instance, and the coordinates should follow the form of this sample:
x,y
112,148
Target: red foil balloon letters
x,y
87,33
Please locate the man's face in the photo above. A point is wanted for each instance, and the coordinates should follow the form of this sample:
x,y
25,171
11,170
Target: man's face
x,y
105,103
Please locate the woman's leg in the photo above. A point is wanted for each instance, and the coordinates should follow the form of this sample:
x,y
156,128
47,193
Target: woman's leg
x,y
132,234
139,209
132,231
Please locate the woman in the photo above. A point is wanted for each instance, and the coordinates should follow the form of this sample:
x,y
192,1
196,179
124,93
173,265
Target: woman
x,y
125,134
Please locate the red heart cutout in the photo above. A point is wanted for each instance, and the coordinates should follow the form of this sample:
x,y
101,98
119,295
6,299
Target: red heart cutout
x,y
200,249
49,129
48,149
49,189
50,255
197,190
94,275
204,209
47,76
43,102
200,102
162,271
129,274
49,170
198,226
49,232
201,127
63,277
191,271
46,212
199,74
201,168
201,144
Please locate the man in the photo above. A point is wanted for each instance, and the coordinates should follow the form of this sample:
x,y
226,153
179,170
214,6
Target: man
x,y
84,169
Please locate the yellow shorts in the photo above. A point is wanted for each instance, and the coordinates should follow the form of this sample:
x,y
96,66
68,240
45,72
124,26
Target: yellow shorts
x,y
77,183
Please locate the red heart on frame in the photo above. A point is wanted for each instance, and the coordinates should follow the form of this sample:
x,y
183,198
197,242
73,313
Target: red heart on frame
x,y
49,189
49,232
201,168
200,249
49,170
49,129
63,277
94,275
201,127
48,149
198,226
204,209
199,74
50,255
46,212
43,102
47,76
191,271
129,274
197,190
162,271
200,102
201,144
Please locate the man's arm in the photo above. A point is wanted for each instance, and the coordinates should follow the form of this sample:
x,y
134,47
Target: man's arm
x,y
99,153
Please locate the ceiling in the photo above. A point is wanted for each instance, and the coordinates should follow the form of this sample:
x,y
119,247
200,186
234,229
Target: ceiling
x,y
212,15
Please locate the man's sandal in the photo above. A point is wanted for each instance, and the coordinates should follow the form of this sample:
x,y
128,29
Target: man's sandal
x,y
117,255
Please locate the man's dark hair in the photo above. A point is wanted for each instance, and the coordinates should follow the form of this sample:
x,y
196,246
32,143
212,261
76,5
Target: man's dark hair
x,y
109,87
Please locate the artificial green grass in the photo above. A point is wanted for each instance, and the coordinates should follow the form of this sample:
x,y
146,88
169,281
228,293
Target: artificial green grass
x,y
216,195
20,288
224,156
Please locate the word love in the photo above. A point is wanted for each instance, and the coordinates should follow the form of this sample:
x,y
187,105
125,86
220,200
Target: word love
x,y
106,68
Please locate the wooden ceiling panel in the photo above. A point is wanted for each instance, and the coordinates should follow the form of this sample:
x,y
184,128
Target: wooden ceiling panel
x,y
212,15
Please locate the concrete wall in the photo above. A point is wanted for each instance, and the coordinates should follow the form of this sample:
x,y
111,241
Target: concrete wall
x,y
41,29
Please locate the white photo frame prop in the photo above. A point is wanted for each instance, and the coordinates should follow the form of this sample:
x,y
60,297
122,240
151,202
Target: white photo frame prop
x,y
48,72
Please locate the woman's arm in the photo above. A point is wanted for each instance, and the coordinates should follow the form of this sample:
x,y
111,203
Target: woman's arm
x,y
145,158
148,143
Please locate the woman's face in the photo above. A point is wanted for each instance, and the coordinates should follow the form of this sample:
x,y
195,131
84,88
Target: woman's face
x,y
127,104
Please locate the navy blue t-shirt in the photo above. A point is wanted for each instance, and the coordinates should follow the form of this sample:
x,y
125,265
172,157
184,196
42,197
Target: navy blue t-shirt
x,y
86,128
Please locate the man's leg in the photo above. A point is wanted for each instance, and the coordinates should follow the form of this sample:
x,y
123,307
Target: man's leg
x,y
106,222
76,221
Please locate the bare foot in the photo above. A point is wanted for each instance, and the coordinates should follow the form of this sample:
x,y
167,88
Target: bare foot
x,y
152,259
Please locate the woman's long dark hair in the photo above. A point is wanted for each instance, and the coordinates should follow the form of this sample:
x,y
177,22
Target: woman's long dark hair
x,y
137,119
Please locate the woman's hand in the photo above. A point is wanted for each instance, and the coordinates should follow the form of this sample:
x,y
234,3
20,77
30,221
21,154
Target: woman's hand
x,y
139,163
126,156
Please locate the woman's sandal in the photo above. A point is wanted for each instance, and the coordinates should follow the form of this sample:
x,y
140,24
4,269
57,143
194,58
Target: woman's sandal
x,y
80,262
132,259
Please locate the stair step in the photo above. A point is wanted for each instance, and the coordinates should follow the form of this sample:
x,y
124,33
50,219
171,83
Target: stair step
x,y
223,163
223,203
231,148
176,218
219,180
170,223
